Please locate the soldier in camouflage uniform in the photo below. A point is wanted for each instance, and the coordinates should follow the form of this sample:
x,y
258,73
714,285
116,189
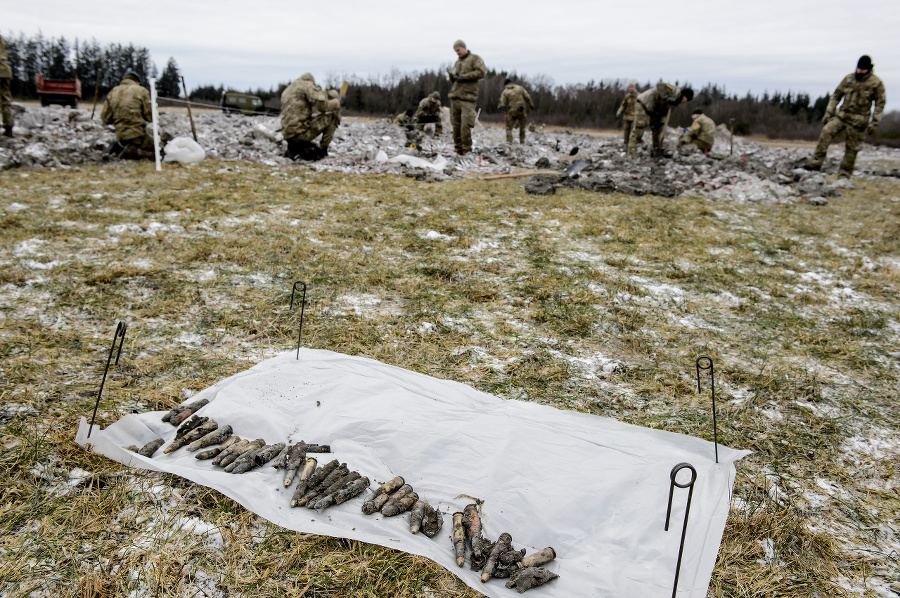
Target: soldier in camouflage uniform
x,y
515,97
651,109
404,119
307,112
127,108
626,110
465,74
5,95
859,90
701,134
429,111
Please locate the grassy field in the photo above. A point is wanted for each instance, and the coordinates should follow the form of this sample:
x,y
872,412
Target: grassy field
x,y
593,302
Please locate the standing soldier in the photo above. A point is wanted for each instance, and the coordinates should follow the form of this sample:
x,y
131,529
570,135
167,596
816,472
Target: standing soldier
x,y
465,74
651,109
701,134
859,90
626,108
5,95
307,112
515,97
127,108
429,111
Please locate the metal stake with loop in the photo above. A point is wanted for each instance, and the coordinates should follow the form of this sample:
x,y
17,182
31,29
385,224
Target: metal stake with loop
x,y
121,327
687,511
302,308
712,384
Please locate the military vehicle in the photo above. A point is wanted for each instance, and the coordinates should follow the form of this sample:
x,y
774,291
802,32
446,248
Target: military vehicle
x,y
65,92
245,103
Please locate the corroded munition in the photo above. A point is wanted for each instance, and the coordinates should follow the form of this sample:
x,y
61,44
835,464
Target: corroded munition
x,y
481,548
234,449
215,437
213,452
293,461
375,503
504,543
472,521
253,459
353,489
511,557
433,521
195,434
341,482
459,538
319,448
541,557
179,410
395,507
416,516
308,468
237,453
530,577
189,425
336,474
391,486
148,449
321,473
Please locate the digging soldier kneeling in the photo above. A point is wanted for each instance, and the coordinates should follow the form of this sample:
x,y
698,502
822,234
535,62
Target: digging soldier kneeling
x,y
127,108
701,134
859,91
307,111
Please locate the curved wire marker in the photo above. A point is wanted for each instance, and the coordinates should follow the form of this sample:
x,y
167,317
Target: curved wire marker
x,y
687,511
708,365
121,327
302,308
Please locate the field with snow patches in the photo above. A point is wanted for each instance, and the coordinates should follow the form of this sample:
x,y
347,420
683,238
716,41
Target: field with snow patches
x,y
597,302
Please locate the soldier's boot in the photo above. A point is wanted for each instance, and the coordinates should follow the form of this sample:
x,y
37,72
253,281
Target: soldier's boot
x,y
522,135
7,131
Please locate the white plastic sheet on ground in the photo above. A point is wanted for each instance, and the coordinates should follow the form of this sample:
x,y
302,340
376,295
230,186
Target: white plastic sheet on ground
x,y
184,150
414,161
592,488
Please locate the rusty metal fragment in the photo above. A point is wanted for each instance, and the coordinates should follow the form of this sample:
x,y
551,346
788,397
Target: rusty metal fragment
x,y
416,516
433,521
504,543
354,489
541,557
148,449
184,411
189,425
319,448
239,452
216,450
529,577
234,449
255,458
195,434
459,539
293,461
402,505
374,503
215,437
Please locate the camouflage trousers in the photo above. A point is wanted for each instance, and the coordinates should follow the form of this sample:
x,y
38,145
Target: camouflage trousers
x,y
642,121
701,145
6,102
324,124
832,129
629,125
425,119
462,117
136,148
516,119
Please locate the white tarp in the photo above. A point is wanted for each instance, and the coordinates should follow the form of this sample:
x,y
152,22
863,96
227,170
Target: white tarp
x,y
592,488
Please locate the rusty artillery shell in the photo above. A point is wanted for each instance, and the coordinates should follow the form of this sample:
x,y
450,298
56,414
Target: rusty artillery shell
x,y
187,410
503,544
213,452
148,449
416,516
397,495
256,458
395,507
293,461
433,521
244,461
237,453
355,488
374,503
341,482
459,538
529,577
321,473
336,474
195,434
215,437
234,449
319,448
189,425
327,497
541,557
391,486
322,502
309,466
176,410
472,521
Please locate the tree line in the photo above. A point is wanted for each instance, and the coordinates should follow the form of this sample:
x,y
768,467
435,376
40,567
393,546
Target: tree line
x,y
585,105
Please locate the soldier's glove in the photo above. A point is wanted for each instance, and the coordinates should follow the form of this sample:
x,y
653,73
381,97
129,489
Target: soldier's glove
x,y
870,130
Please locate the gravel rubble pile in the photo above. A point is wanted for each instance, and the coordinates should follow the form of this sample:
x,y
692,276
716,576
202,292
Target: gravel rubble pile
x,y
59,138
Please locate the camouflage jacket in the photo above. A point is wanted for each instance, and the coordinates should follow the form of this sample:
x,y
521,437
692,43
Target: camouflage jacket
x,y
704,129
402,119
5,71
471,68
515,97
127,107
858,98
300,102
428,106
657,101
627,106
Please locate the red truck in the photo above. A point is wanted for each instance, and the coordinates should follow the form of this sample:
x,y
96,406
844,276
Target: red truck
x,y
56,91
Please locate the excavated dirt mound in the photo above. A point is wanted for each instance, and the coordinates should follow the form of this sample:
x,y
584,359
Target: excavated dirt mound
x,y
748,171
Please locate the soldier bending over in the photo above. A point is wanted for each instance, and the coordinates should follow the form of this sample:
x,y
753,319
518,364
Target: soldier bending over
x,y
127,108
307,112
701,134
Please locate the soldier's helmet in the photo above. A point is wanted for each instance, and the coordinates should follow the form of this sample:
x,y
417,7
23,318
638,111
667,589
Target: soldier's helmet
x,y
436,95
130,74
308,77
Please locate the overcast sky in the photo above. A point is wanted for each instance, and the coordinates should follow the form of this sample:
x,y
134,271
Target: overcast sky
x,y
797,45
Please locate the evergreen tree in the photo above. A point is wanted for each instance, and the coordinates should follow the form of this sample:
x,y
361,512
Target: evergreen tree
x,y
169,84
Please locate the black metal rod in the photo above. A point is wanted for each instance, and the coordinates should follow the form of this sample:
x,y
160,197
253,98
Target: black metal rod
x,y
121,328
687,511
712,385
302,308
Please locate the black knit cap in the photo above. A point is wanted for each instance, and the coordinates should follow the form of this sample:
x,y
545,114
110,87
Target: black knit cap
x,y
688,93
865,63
